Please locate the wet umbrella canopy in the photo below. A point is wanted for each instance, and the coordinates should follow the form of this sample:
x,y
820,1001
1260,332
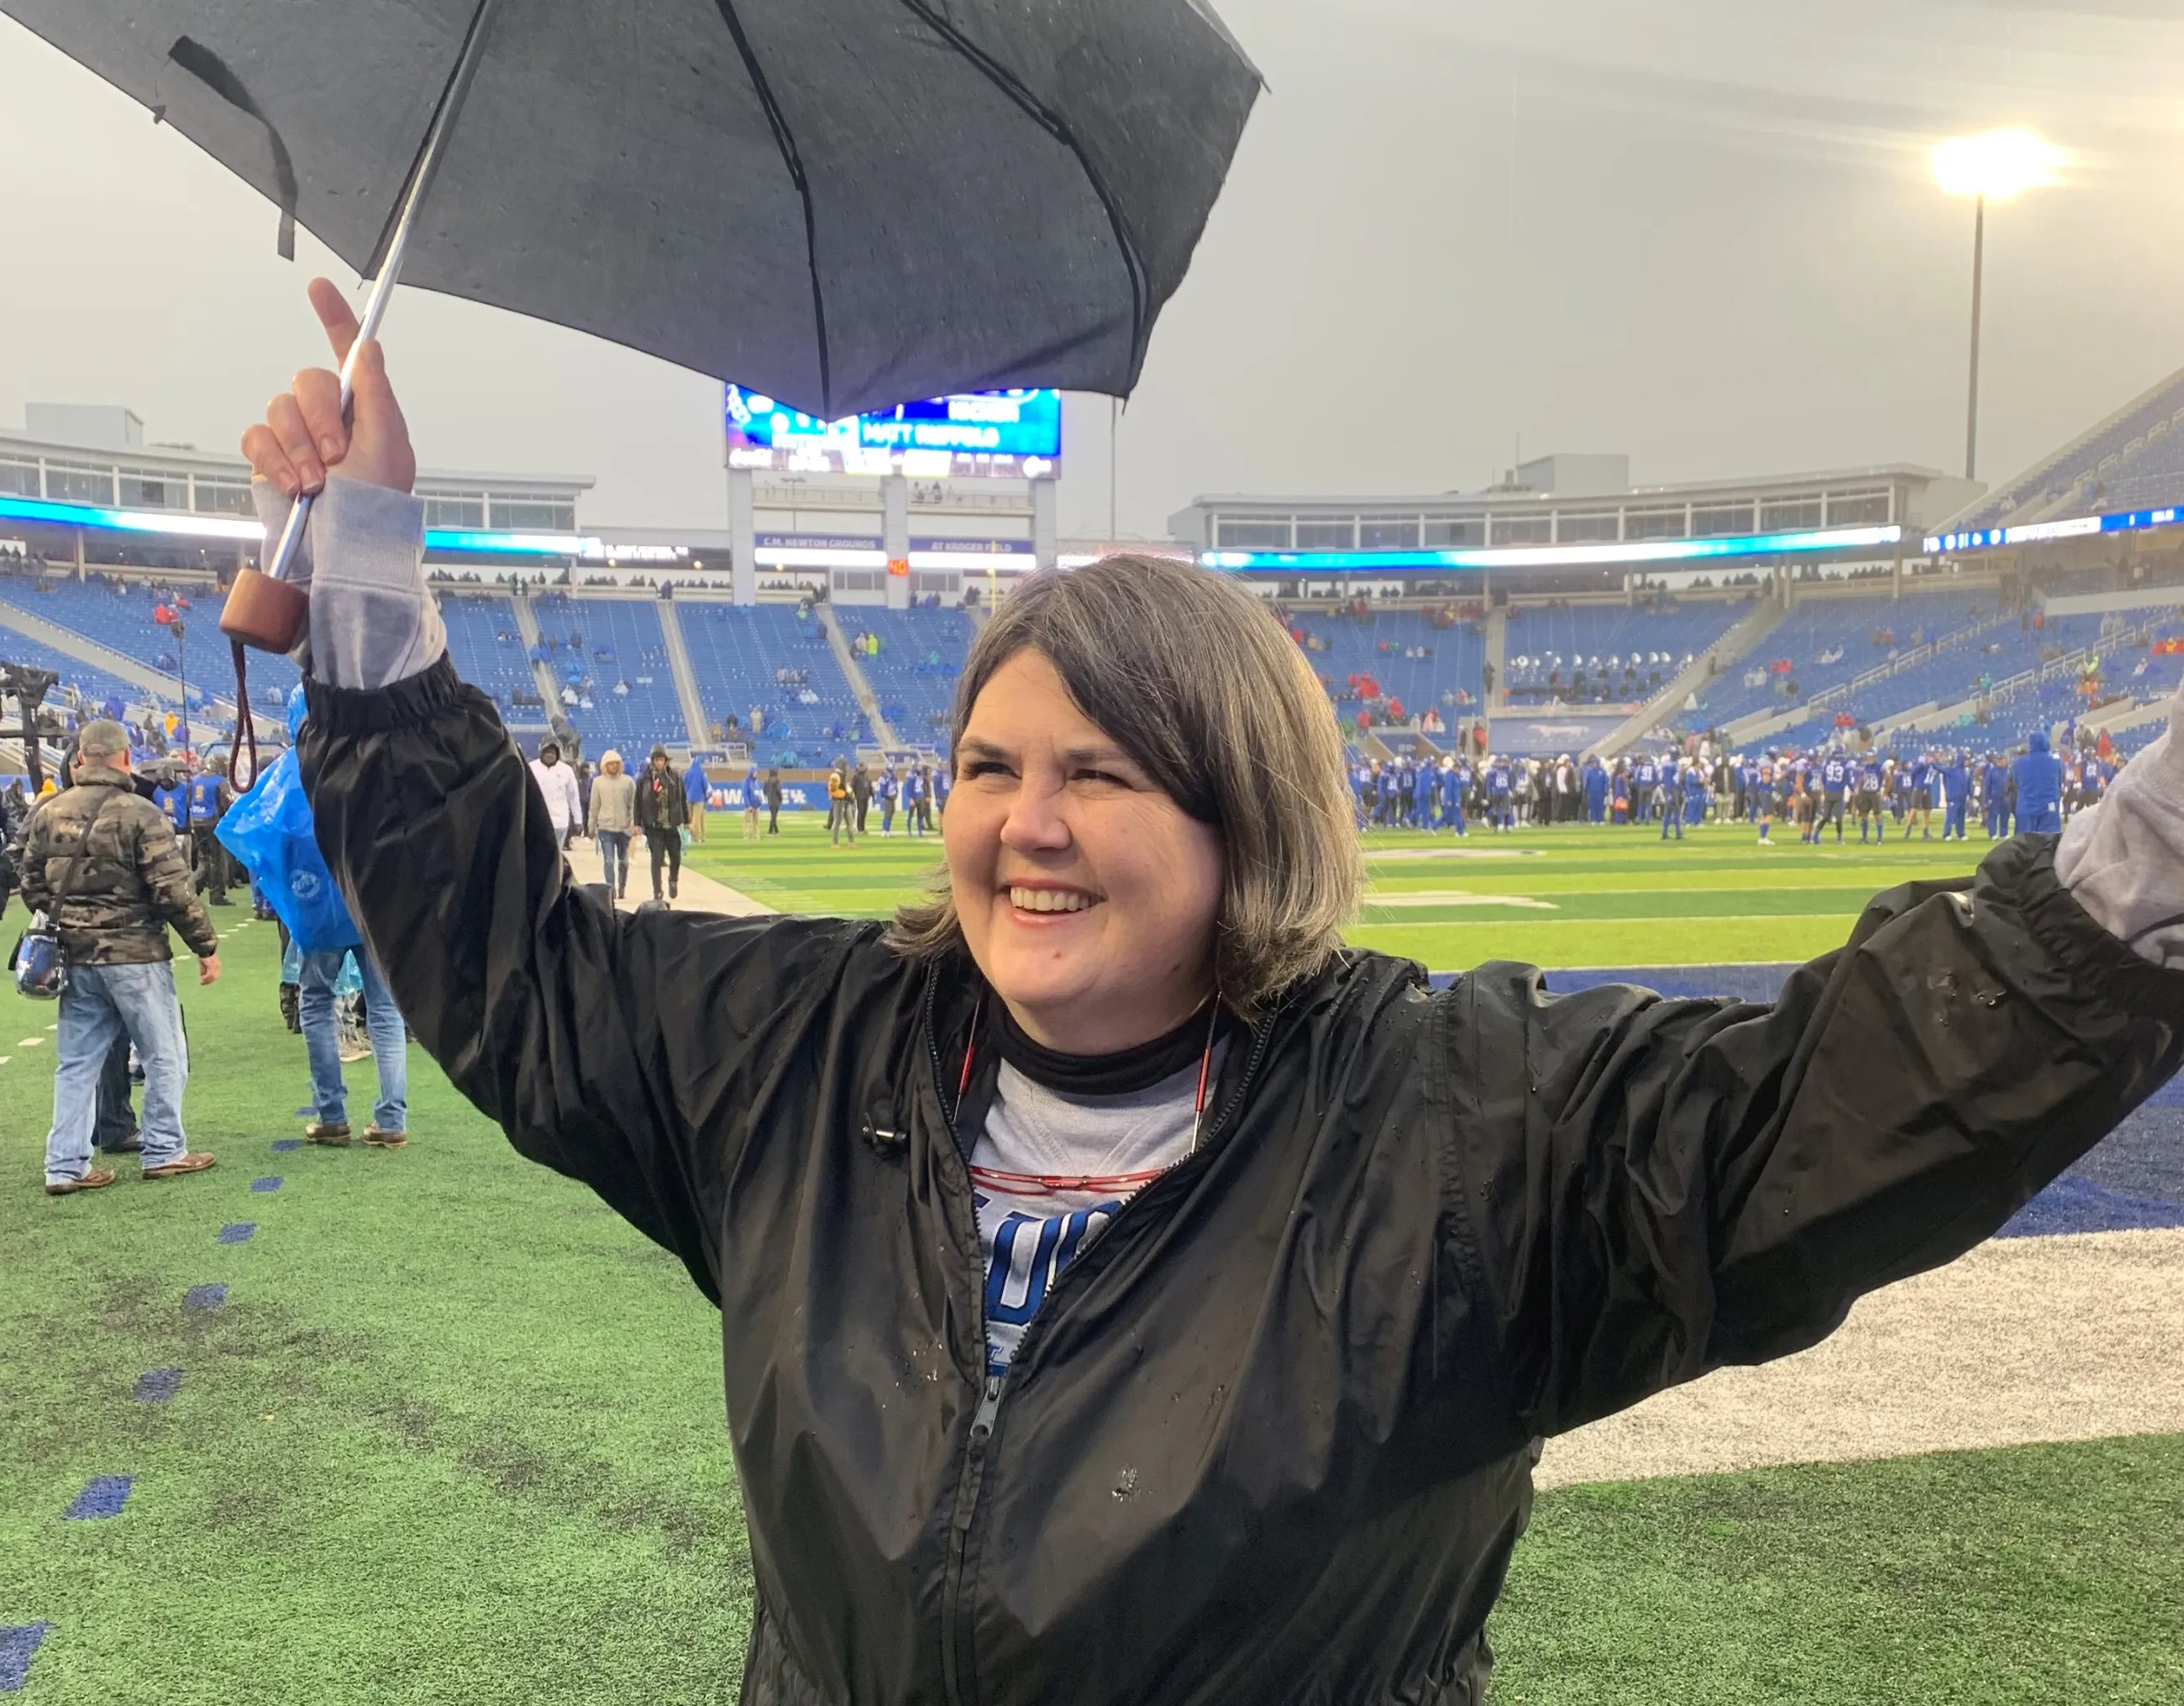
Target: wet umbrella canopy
x,y
843,203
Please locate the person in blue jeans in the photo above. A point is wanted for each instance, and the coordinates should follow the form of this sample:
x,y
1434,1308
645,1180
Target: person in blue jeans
x,y
103,863
320,975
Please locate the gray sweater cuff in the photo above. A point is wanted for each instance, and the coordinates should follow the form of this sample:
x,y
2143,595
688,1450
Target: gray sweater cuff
x,y
2123,861
374,621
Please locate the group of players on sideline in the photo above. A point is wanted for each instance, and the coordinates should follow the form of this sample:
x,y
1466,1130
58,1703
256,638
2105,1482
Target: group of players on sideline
x,y
2036,790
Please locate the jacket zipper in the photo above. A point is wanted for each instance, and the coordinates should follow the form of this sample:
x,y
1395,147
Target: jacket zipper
x,y
957,1663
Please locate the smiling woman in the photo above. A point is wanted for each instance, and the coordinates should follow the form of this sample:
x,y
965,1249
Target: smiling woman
x,y
1128,1294
1103,872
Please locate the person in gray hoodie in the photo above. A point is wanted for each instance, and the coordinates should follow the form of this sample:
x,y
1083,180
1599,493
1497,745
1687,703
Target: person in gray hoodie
x,y
612,816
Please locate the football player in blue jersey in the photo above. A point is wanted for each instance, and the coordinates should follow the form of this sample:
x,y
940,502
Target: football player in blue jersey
x,y
1955,782
1453,782
1922,796
1871,778
1670,793
1695,793
1994,796
1834,783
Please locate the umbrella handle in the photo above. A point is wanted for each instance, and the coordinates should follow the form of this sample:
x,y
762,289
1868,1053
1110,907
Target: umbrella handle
x,y
414,193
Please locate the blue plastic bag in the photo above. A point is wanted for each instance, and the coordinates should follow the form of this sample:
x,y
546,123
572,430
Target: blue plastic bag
x,y
269,830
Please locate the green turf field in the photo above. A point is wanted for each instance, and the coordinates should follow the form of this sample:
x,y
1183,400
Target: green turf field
x,y
1567,896
456,1434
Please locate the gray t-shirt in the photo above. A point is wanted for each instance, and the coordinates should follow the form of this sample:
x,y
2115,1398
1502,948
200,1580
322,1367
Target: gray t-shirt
x,y
1050,1171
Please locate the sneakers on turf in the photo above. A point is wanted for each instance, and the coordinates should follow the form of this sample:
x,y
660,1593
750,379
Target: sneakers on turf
x,y
94,1178
196,1161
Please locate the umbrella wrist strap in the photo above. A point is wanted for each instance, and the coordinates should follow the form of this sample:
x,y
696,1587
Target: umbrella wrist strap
x,y
246,725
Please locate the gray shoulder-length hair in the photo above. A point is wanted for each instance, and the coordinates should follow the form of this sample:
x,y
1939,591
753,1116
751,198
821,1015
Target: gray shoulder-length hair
x,y
1195,679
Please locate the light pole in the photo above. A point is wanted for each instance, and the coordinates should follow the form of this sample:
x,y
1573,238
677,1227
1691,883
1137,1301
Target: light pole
x,y
1993,166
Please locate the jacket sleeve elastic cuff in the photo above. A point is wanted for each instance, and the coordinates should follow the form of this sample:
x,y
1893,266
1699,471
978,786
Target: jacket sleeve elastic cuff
x,y
409,703
2124,859
2023,873
373,620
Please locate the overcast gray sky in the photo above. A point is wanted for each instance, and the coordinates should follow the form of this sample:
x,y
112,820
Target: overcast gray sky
x,y
1699,231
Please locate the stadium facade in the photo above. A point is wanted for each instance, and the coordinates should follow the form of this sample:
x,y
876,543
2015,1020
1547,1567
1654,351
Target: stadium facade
x,y
1565,608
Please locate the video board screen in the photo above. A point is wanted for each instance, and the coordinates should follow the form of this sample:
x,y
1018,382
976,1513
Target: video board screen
x,y
1003,435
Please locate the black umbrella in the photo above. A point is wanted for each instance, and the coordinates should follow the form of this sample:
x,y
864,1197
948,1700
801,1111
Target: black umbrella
x,y
842,204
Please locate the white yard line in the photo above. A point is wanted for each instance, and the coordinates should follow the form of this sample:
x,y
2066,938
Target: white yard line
x,y
2024,1340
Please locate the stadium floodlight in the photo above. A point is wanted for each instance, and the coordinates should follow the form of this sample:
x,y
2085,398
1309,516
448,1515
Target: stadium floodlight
x,y
1995,165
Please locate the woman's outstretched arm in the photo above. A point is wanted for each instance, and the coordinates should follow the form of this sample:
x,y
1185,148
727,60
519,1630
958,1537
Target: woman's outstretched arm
x,y
638,1054
1649,1189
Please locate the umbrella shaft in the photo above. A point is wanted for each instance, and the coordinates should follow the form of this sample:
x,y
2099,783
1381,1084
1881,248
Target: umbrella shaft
x,y
397,243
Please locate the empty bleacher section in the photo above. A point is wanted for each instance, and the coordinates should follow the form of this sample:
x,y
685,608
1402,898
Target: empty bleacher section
x,y
1395,666
771,665
121,615
82,688
1607,654
2130,460
1824,643
610,661
488,652
913,668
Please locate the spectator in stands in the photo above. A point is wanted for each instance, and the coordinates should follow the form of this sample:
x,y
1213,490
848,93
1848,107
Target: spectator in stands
x,y
662,811
557,787
612,816
102,862
698,794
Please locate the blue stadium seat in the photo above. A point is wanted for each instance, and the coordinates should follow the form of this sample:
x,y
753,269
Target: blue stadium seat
x,y
913,674
610,659
735,651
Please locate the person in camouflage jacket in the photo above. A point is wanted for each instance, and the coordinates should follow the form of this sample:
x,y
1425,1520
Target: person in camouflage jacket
x,y
103,863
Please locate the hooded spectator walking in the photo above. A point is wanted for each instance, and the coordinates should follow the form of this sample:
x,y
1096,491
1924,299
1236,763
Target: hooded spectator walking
x,y
102,862
662,810
557,787
613,817
698,794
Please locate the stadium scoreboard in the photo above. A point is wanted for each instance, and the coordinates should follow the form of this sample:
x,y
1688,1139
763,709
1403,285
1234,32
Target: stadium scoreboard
x,y
1006,435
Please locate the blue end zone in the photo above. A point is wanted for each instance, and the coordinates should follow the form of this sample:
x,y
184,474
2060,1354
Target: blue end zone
x,y
2133,1180
19,1645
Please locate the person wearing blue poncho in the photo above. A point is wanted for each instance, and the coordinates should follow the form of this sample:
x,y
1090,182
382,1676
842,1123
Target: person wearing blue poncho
x,y
271,831
2039,778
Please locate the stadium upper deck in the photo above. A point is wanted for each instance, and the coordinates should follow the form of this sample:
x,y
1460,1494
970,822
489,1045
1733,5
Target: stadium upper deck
x,y
1565,524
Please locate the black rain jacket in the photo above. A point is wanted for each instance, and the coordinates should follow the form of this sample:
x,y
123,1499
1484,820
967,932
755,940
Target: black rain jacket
x,y
1270,1439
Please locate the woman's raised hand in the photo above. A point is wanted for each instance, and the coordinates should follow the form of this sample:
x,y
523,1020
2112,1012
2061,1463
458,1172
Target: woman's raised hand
x,y
304,434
